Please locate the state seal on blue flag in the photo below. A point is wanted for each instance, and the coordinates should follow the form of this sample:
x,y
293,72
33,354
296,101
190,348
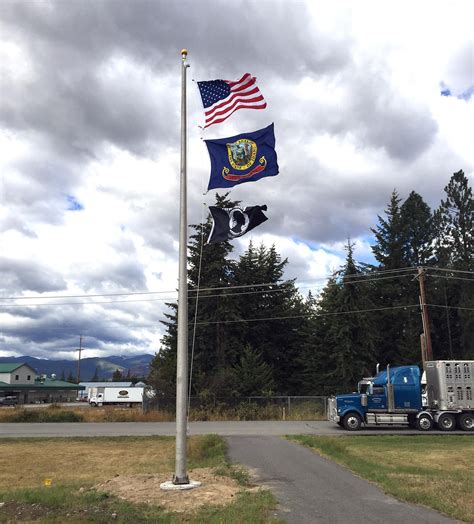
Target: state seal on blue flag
x,y
242,158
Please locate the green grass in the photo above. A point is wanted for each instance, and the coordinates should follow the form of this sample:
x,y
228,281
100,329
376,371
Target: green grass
x,y
59,505
433,470
50,414
72,497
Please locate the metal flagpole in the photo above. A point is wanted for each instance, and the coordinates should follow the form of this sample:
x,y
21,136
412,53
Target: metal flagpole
x,y
181,476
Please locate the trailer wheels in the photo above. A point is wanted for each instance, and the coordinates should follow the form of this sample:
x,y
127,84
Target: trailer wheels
x,y
352,422
466,421
424,423
446,422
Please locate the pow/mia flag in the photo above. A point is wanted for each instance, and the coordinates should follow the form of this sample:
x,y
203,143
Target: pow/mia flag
x,y
229,223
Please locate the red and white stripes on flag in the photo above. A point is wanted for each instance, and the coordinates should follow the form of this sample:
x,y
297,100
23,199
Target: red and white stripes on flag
x,y
221,98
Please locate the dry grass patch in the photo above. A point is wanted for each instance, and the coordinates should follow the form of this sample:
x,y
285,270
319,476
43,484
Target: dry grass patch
x,y
438,458
99,480
434,470
26,463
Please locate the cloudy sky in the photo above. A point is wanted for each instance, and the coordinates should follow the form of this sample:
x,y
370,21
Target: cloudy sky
x,y
366,97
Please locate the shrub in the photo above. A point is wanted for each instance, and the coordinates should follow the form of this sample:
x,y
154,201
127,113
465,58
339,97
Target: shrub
x,y
44,415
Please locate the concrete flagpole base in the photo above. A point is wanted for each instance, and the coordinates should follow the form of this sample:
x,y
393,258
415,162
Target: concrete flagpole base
x,y
169,486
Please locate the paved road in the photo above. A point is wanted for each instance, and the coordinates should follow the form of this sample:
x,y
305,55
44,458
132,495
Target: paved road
x,y
312,490
109,429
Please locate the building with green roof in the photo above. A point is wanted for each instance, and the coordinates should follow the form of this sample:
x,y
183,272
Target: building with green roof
x,y
21,381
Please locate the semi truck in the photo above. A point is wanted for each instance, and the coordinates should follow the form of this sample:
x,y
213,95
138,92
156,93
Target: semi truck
x,y
115,395
441,396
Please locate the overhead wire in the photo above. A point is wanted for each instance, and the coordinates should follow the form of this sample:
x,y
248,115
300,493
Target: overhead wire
x,y
190,290
313,315
284,285
362,276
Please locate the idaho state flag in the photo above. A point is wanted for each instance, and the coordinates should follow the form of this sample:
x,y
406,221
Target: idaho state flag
x,y
242,158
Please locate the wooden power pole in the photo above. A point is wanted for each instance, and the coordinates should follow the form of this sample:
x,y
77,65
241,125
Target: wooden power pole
x,y
79,360
426,348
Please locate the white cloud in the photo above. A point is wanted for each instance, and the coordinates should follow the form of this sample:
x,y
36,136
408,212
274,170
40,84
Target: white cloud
x,y
90,115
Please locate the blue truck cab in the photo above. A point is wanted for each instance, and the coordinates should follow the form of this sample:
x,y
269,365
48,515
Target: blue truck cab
x,y
392,396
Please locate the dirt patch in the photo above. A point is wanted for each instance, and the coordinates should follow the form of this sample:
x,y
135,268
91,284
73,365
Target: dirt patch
x,y
214,490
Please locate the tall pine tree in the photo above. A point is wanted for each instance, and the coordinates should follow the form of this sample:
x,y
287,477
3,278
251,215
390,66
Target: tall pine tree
x,y
454,221
350,334
210,269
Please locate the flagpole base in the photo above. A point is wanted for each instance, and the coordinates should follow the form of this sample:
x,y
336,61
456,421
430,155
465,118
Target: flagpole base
x,y
170,486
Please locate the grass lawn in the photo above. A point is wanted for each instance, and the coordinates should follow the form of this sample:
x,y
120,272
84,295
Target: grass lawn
x,y
74,465
433,470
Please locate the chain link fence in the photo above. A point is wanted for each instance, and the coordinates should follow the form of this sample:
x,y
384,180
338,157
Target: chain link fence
x,y
211,407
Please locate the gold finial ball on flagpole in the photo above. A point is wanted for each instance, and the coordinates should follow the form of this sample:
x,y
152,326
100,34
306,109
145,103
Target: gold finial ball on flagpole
x,y
184,52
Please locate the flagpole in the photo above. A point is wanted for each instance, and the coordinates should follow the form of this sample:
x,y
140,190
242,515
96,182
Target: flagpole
x,y
181,476
180,479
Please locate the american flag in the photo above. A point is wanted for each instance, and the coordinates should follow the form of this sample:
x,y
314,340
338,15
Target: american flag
x,y
221,98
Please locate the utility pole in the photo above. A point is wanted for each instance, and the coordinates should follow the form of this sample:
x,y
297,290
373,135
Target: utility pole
x,y
79,360
426,349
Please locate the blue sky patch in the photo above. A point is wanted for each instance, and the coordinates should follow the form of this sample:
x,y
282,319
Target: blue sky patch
x,y
464,95
73,204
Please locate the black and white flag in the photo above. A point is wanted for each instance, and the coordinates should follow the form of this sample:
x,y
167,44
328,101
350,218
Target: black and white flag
x,y
229,223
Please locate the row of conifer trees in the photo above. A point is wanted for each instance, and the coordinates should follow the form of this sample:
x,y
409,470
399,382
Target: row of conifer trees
x,y
257,334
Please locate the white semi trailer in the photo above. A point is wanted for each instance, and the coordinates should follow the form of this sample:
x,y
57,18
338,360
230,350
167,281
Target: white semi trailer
x,y
114,395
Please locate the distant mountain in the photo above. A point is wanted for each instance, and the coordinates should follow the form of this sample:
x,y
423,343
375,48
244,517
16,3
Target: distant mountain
x,y
137,365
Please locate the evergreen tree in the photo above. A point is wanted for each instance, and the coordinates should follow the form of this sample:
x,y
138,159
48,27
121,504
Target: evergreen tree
x,y
117,376
389,251
279,339
350,336
314,360
389,235
63,377
71,378
417,231
95,378
254,376
215,345
404,239
453,328
418,241
219,344
215,348
455,224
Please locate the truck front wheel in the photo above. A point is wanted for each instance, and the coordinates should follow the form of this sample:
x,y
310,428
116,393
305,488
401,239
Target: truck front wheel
x,y
446,422
424,423
93,404
466,421
352,422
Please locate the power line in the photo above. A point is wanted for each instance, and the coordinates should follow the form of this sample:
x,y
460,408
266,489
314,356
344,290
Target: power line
x,y
451,307
220,295
191,290
450,270
315,315
362,277
451,278
306,316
